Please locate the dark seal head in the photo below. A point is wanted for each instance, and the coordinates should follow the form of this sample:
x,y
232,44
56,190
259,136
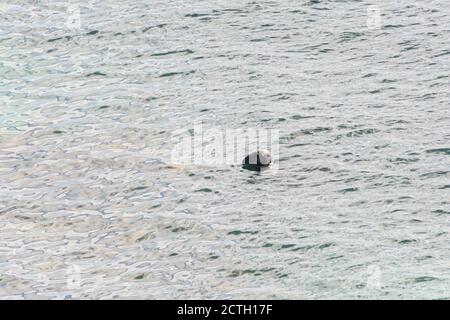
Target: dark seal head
x,y
257,160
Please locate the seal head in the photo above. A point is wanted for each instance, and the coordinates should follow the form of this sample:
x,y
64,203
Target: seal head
x,y
256,160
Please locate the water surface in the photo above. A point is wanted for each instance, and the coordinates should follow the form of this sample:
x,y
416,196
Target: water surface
x,y
92,207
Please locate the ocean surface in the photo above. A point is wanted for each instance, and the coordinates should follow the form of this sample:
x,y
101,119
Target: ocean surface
x,y
93,95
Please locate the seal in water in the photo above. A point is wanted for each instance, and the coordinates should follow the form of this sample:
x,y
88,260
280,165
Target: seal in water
x,y
256,160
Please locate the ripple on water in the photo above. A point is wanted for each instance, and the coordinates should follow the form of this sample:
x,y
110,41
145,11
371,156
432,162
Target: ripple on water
x,y
88,184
